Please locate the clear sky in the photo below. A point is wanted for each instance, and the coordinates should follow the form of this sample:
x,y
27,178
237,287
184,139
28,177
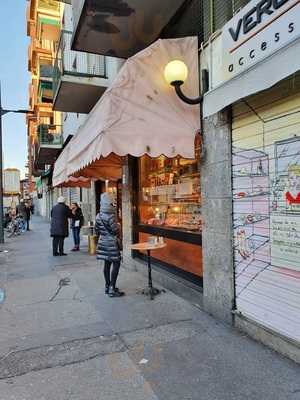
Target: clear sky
x,y
15,79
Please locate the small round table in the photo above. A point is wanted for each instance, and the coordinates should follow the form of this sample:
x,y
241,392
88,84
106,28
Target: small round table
x,y
148,247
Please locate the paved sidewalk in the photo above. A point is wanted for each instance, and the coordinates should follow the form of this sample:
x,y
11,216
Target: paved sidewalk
x,y
83,345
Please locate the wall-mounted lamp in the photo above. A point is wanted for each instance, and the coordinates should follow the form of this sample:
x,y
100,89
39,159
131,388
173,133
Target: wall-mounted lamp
x,y
176,73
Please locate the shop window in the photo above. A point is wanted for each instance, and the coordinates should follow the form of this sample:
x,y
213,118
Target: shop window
x,y
169,193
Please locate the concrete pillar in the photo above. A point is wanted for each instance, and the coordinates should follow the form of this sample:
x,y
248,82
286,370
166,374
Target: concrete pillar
x,y
127,204
216,187
88,204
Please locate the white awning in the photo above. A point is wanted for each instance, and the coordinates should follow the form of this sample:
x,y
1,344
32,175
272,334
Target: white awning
x,y
262,76
61,178
140,113
60,174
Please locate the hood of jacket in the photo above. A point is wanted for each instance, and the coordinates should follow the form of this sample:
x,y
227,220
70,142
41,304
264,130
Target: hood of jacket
x,y
106,204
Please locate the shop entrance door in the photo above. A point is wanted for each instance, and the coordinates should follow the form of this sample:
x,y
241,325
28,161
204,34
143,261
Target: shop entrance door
x,y
115,189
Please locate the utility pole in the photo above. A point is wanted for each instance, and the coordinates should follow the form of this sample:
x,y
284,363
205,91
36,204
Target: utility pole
x,y
1,177
3,112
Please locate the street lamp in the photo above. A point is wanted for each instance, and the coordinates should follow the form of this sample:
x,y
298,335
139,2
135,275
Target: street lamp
x,y
3,112
176,73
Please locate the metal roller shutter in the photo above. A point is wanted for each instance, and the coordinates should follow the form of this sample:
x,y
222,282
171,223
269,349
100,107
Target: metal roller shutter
x,y
266,207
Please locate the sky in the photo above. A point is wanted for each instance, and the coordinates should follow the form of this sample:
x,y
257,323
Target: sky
x,y
15,80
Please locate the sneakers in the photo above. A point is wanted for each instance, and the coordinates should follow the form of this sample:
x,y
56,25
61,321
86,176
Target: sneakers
x,y
76,248
115,292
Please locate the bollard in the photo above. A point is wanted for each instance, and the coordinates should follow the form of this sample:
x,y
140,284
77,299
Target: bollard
x,y
92,244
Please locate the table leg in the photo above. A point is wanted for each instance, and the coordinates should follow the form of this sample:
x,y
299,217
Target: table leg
x,y
149,270
152,291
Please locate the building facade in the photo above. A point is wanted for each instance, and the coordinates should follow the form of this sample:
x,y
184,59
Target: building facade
x,y
45,139
230,215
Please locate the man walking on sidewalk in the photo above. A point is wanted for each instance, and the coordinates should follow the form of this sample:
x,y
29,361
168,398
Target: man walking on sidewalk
x,y
28,215
59,226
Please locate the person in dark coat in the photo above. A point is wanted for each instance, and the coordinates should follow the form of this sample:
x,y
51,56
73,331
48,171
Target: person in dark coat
x,y
76,224
108,248
60,226
28,215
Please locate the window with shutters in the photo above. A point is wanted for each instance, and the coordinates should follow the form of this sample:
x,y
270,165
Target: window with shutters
x,y
74,195
202,18
238,4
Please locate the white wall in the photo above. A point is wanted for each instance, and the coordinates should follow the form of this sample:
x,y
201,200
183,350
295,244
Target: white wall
x,y
71,123
68,18
211,59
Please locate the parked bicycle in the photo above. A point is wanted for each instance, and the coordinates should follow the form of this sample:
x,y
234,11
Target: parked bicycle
x,y
16,226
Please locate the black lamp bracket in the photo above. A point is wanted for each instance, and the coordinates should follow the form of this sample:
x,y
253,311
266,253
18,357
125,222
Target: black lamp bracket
x,y
177,85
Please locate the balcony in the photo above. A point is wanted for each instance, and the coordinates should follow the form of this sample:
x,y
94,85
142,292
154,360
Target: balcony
x,y
48,28
120,28
30,18
46,71
48,145
49,6
79,78
45,91
43,48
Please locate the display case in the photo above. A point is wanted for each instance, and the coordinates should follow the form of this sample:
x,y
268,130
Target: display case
x,y
168,204
170,193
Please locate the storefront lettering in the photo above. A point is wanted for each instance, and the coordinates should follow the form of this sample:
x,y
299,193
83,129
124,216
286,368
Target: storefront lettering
x,y
254,17
253,53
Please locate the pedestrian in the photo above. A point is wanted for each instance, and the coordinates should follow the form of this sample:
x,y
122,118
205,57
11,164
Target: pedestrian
x,y
22,211
60,214
28,215
31,207
108,248
76,224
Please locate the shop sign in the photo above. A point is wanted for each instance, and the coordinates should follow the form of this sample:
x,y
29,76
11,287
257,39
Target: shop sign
x,y
258,31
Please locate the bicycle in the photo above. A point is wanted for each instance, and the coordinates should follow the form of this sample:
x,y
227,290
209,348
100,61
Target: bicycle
x,y
16,226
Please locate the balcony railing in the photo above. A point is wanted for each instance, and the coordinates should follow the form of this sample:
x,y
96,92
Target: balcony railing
x,y
50,135
45,91
69,62
46,71
49,5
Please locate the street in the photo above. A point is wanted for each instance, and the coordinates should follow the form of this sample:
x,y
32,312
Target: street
x,y
77,343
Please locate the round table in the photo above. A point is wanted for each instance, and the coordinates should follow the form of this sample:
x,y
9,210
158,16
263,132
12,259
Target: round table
x,y
148,247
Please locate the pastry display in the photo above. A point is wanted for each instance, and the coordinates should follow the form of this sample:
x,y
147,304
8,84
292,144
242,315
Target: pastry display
x,y
170,193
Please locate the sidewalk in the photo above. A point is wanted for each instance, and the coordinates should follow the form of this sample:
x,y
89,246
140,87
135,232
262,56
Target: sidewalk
x,y
83,345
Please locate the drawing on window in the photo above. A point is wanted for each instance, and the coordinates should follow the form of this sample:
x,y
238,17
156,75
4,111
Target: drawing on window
x,y
266,217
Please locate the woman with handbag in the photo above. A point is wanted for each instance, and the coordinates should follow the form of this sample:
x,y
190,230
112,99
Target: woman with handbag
x,y
76,224
109,248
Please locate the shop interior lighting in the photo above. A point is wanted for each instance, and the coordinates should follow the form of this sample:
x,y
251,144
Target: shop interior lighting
x,y
176,73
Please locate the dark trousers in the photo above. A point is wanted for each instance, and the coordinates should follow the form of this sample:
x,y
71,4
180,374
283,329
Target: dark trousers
x,y
58,244
111,277
76,236
27,224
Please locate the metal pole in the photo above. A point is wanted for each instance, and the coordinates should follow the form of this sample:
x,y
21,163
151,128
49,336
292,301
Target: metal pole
x,y
1,177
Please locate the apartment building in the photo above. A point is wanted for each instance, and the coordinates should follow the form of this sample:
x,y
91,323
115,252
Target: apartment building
x,y
45,138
